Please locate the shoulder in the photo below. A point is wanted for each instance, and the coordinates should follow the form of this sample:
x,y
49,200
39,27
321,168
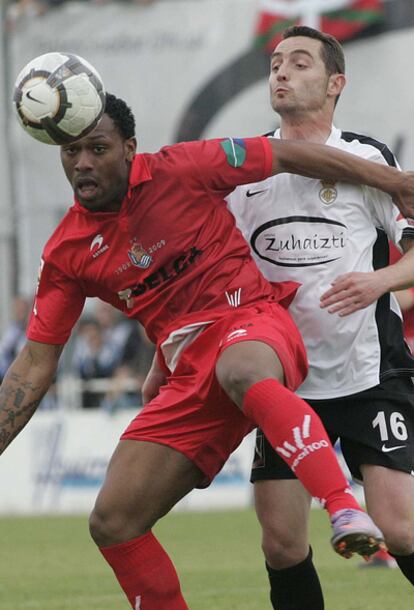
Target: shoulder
x,y
61,230
71,236
179,157
367,147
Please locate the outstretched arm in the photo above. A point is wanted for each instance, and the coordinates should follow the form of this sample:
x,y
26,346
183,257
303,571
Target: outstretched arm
x,y
25,384
321,161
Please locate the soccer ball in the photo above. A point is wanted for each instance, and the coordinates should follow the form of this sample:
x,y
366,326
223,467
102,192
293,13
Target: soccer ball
x,y
59,98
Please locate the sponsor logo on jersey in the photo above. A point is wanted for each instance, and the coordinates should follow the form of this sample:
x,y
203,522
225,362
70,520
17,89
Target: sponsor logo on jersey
x,y
298,448
250,193
300,241
96,242
139,256
236,334
235,150
386,449
166,273
126,295
96,246
328,192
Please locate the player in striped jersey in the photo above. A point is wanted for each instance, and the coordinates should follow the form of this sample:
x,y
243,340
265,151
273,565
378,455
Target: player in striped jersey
x,y
333,238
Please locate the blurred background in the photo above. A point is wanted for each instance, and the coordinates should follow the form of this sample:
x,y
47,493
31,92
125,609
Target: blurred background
x,y
189,69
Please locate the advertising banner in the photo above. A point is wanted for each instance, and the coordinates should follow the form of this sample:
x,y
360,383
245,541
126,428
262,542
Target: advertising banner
x,y
58,463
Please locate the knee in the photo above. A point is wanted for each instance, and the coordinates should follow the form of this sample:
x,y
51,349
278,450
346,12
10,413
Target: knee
x,y
399,536
114,526
237,379
104,528
283,549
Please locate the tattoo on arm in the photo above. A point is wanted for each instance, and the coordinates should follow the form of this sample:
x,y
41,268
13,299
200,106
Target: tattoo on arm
x,y
19,398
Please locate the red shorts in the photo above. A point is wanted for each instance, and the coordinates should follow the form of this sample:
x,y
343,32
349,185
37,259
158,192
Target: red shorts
x,y
192,414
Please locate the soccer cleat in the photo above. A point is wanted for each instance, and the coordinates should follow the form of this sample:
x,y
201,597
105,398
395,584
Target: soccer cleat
x,y
355,532
382,559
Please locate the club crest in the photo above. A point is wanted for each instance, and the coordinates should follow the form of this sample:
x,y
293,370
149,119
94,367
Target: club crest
x,y
328,192
139,256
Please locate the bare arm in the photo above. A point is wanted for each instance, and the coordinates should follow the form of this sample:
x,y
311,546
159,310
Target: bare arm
x,y
320,161
405,299
25,384
400,275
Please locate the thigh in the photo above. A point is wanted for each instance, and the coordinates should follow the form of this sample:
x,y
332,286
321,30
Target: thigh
x,y
243,364
389,496
388,492
143,482
262,341
192,414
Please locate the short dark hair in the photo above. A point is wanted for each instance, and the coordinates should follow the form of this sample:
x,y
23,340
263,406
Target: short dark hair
x,y
121,114
332,53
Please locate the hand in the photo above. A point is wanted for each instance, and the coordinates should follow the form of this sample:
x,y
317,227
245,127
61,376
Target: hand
x,y
403,194
353,291
153,381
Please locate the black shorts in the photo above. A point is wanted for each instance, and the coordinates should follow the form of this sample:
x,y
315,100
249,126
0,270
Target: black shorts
x,y
375,426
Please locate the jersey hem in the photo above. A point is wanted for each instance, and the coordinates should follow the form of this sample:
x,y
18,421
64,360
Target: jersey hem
x,y
48,340
357,389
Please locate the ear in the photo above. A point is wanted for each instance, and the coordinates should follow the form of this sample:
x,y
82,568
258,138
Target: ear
x,y
130,148
336,84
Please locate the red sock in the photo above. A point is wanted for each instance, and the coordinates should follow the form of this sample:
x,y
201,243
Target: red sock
x,y
298,436
146,574
384,555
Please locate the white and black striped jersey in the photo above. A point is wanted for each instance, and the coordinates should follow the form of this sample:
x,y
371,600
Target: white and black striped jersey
x,y
312,231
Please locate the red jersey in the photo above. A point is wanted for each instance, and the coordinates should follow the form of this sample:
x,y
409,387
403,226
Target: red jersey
x,y
173,247
408,314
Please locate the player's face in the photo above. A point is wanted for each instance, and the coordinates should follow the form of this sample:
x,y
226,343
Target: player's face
x,y
98,165
298,80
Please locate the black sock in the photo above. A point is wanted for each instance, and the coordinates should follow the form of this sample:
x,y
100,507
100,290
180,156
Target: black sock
x,y
406,565
296,588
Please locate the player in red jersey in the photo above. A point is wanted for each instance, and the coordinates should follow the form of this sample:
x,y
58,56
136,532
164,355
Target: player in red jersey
x,y
151,235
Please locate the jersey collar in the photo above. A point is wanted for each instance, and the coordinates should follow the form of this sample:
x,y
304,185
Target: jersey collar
x,y
334,136
140,172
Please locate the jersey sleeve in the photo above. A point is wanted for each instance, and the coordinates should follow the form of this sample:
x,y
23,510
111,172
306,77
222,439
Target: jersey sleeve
x,y
223,164
385,213
58,303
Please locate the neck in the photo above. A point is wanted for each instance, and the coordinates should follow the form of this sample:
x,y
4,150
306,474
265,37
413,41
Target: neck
x,y
309,128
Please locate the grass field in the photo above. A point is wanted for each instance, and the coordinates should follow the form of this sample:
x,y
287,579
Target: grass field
x,y
51,564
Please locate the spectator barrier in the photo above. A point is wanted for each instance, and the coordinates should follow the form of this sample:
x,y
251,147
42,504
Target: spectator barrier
x,y
57,465
58,462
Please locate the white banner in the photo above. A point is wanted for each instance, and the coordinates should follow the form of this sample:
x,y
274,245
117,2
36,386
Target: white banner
x,y
58,462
